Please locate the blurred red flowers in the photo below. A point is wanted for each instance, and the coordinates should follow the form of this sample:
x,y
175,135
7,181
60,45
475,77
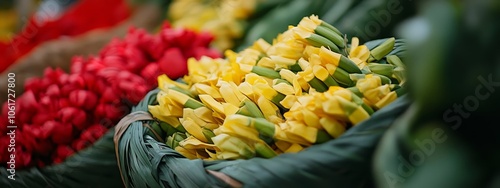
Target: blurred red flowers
x,y
62,113
81,17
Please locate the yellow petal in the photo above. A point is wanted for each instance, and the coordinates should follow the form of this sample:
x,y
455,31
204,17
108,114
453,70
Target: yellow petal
x,y
228,93
288,101
229,109
228,155
261,45
284,88
332,126
211,103
266,62
282,145
206,89
191,143
294,148
329,57
204,114
310,50
386,100
333,108
354,44
307,24
186,153
164,82
194,129
302,131
358,115
311,119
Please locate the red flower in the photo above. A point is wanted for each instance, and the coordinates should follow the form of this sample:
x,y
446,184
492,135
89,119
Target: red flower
x,y
75,109
63,79
47,129
173,63
52,74
73,116
62,152
109,111
63,134
41,118
150,74
84,99
23,158
93,65
53,91
27,100
43,147
93,133
76,80
77,65
80,144
109,96
63,103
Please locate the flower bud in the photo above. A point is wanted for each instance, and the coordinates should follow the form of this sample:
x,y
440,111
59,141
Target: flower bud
x,y
150,73
94,65
46,130
84,99
53,91
33,84
76,80
63,79
41,118
62,134
111,112
62,152
73,116
93,133
109,96
77,65
173,63
80,144
52,74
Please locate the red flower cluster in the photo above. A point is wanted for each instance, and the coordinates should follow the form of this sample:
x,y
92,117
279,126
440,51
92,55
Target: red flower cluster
x,y
62,113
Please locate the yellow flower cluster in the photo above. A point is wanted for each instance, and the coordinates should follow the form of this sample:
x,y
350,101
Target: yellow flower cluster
x,y
223,18
276,98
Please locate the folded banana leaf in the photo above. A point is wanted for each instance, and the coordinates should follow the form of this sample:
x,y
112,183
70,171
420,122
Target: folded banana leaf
x,y
91,167
343,162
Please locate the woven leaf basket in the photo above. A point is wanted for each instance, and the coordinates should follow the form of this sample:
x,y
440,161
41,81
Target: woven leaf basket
x,y
144,159
94,166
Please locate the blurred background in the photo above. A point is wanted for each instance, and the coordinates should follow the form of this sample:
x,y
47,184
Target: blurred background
x,y
449,137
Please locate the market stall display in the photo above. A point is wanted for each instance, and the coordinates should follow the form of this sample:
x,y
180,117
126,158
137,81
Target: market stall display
x,y
62,113
304,89
253,93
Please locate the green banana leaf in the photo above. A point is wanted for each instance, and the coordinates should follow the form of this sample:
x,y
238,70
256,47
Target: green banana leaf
x,y
343,162
91,167
365,19
276,20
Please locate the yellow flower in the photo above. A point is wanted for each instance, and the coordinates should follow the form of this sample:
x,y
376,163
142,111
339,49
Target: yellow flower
x,y
359,54
238,147
222,18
